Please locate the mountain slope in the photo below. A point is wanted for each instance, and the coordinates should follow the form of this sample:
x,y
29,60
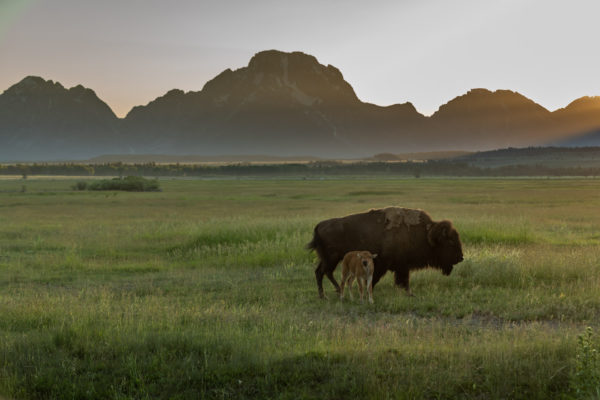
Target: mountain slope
x,y
580,121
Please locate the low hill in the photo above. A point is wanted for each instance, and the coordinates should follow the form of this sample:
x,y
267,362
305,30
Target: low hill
x,y
420,156
193,159
554,157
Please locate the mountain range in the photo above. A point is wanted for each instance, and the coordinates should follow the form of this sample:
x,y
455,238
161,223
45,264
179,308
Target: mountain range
x,y
282,104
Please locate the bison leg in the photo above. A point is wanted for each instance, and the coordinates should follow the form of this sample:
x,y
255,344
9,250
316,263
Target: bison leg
x,y
326,267
377,274
401,279
319,275
329,274
321,270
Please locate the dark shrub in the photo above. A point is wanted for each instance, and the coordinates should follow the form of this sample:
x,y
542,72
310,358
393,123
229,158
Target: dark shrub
x,y
81,185
129,184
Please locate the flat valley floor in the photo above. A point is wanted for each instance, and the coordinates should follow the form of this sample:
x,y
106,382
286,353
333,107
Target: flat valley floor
x,y
205,290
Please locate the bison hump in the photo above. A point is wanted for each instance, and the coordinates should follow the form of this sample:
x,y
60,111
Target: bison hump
x,y
396,217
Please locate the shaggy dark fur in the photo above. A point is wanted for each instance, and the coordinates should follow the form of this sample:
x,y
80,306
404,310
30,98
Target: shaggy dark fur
x,y
401,247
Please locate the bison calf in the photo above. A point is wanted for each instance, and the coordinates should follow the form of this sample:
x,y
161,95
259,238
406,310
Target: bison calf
x,y
359,265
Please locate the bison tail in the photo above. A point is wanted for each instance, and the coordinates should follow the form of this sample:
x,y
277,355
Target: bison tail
x,y
314,243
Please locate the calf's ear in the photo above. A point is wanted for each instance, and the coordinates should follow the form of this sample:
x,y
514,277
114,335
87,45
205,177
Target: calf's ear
x,y
374,256
439,232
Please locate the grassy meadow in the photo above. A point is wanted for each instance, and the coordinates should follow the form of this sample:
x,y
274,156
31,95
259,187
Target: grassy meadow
x,y
205,290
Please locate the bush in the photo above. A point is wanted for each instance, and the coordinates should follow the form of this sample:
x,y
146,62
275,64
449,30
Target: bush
x,y
586,380
129,184
81,185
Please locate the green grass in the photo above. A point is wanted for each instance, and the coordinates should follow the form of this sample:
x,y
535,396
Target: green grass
x,y
204,290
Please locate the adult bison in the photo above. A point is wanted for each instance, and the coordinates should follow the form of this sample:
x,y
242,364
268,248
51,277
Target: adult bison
x,y
403,239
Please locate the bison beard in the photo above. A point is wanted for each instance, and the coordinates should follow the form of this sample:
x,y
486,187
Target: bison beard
x,y
404,239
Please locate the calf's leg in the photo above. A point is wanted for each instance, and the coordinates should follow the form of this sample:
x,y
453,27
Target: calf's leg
x,y
361,289
345,277
350,283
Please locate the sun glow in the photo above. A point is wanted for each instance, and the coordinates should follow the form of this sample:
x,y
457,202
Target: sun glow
x,y
10,11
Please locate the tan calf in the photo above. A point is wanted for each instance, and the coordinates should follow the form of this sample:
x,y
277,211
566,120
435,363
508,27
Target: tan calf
x,y
359,265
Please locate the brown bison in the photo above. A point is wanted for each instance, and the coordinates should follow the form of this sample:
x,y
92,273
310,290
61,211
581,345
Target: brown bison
x,y
403,239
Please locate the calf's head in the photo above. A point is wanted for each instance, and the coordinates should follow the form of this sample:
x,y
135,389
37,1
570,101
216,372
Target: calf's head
x,y
366,261
447,248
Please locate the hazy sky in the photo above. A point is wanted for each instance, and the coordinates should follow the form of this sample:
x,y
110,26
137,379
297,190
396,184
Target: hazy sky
x,y
426,52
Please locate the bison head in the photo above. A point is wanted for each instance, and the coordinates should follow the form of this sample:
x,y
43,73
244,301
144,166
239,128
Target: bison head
x,y
446,244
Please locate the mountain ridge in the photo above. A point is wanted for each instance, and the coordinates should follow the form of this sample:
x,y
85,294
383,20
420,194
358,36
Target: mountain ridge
x,y
280,104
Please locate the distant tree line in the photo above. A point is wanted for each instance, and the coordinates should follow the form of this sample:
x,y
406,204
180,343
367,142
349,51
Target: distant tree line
x,y
310,169
514,152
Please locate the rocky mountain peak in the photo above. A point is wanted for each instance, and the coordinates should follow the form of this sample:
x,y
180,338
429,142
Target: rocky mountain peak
x,y
584,104
481,102
33,81
296,76
34,94
33,84
38,118
276,62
